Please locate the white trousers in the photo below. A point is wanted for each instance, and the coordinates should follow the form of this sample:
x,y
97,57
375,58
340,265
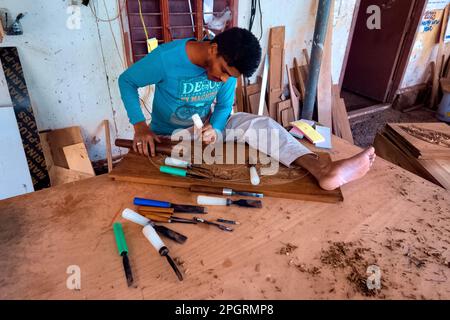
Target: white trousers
x,y
258,132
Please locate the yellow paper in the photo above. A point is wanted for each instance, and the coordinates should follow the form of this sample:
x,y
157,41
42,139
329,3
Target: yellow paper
x,y
152,44
309,132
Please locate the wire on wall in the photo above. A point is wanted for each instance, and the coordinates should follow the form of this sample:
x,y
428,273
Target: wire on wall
x,y
256,5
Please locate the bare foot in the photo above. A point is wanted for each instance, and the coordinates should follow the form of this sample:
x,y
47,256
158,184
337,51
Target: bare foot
x,y
336,174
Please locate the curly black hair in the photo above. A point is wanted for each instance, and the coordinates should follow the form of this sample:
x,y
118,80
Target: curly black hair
x,y
240,49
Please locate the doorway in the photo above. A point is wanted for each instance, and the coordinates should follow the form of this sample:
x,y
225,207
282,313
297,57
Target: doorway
x,y
376,59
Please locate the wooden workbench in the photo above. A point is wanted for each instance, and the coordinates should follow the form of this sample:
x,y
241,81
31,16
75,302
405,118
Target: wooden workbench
x,y
398,220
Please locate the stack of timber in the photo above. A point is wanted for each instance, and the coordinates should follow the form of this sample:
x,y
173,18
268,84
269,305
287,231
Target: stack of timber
x,y
421,148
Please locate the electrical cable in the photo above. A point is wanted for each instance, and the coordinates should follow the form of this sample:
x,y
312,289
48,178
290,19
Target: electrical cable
x,y
142,19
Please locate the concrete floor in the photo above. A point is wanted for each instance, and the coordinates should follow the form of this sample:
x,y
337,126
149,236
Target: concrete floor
x,y
365,128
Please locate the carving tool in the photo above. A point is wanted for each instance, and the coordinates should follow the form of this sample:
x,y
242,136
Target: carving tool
x,y
180,172
228,222
123,251
224,191
135,217
173,162
161,148
221,227
151,235
157,217
177,208
213,201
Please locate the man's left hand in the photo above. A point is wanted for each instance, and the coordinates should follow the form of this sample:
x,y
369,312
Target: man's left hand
x,y
209,134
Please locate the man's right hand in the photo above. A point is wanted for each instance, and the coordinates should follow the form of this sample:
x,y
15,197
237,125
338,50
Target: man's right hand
x,y
144,139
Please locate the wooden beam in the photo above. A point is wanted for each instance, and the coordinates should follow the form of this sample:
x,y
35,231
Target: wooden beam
x,y
340,124
108,145
199,19
276,50
294,98
164,7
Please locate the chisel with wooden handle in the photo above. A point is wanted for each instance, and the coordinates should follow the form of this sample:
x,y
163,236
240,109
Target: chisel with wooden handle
x,y
224,191
135,217
161,148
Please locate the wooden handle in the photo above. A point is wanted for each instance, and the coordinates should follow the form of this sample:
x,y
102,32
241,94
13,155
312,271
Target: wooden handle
x,y
155,217
206,189
156,209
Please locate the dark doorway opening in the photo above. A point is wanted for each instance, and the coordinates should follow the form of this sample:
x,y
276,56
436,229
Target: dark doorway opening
x,y
376,59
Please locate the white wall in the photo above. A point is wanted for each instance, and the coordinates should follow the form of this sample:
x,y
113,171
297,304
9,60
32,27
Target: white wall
x,y
425,47
66,70
15,178
299,19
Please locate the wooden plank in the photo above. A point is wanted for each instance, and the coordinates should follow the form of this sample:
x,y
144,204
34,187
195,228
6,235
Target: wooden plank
x,y
421,149
437,71
78,159
254,103
285,113
199,20
324,90
75,228
135,168
2,32
240,107
306,54
108,145
164,7
60,175
294,98
388,150
276,49
340,122
57,139
301,85
251,89
439,169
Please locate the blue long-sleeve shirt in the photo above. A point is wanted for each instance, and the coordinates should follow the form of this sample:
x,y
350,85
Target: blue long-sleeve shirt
x,y
182,89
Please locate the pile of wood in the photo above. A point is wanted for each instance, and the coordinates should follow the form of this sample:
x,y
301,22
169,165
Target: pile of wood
x,y
269,97
422,148
66,156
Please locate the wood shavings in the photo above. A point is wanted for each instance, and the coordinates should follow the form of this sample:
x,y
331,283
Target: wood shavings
x,y
287,249
430,136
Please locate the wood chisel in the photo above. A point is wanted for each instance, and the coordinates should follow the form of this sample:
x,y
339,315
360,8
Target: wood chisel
x,y
224,191
123,251
135,217
164,218
151,235
177,208
173,162
221,227
213,201
180,172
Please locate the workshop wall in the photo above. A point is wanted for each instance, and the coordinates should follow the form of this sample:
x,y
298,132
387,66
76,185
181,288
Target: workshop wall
x,y
72,74
425,45
299,19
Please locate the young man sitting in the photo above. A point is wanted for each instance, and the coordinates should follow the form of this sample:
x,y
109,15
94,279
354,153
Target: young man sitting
x,y
189,76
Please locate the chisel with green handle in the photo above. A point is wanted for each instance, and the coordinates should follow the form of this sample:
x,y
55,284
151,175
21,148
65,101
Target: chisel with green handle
x,y
180,172
123,251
